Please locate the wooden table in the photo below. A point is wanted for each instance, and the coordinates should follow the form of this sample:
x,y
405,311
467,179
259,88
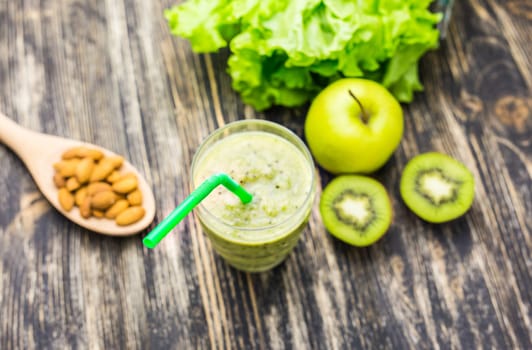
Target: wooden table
x,y
109,72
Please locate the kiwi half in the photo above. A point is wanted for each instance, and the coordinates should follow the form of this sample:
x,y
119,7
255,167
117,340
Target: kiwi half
x,y
437,187
356,209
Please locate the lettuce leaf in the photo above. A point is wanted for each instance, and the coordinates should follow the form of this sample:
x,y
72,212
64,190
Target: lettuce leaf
x,y
283,52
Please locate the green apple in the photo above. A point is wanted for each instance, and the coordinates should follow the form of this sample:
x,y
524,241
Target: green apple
x,y
353,126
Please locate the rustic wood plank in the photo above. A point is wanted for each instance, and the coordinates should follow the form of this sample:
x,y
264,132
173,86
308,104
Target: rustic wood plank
x,y
109,72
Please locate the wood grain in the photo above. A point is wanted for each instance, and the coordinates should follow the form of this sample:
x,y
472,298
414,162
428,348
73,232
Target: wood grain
x,y
110,73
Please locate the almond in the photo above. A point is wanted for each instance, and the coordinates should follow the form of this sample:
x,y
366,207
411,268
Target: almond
x,y
135,197
67,168
72,184
66,199
98,213
119,206
80,195
130,216
85,207
126,176
59,180
73,152
117,161
103,200
125,185
58,165
93,153
82,152
115,175
84,170
95,187
103,169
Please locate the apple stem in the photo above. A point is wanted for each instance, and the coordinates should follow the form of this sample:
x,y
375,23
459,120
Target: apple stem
x,y
364,116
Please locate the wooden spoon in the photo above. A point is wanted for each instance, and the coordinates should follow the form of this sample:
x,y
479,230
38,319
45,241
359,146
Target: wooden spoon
x,y
40,151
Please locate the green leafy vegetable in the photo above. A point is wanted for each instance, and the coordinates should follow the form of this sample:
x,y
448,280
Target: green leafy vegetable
x,y
283,52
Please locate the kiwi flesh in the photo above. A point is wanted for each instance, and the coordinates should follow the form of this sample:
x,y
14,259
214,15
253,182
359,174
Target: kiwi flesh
x,y
356,209
437,187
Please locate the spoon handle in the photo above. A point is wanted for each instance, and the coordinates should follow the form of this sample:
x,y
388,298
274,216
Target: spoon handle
x,y
11,134
20,140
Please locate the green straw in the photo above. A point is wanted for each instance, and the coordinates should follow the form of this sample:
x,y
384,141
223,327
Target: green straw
x,y
203,190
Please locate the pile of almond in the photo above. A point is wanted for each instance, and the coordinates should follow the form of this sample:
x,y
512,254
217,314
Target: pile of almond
x,y
92,182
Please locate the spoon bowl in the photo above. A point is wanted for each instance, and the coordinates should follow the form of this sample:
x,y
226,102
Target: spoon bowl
x,y
40,151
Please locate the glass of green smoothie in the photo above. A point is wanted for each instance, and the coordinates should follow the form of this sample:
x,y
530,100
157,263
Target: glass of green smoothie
x,y
275,166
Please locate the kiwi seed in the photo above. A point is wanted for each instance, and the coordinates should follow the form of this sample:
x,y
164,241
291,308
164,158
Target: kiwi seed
x,y
356,209
437,187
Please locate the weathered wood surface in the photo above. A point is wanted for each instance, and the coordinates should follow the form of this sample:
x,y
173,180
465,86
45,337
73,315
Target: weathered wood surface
x,y
110,73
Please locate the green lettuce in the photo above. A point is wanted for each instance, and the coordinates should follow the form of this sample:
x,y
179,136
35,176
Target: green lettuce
x,y
283,52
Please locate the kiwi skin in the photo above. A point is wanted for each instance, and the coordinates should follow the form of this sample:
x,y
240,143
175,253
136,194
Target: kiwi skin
x,y
356,209
437,187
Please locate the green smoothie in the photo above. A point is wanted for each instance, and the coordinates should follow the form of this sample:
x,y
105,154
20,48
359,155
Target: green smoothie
x,y
273,165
